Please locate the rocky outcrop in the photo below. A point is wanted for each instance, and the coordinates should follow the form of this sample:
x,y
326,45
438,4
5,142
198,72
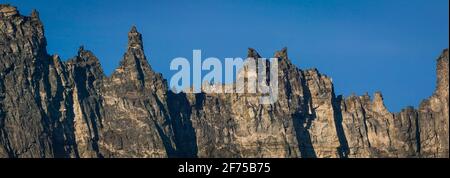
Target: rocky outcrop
x,y
51,108
433,115
372,131
28,89
136,118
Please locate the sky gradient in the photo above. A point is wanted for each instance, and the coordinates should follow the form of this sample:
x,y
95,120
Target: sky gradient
x,y
365,46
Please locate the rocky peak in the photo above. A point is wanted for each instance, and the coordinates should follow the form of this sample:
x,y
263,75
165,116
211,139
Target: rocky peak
x,y
134,39
284,61
134,58
282,53
365,99
83,54
7,10
378,103
21,35
34,14
252,53
85,57
442,74
378,98
85,68
134,68
81,50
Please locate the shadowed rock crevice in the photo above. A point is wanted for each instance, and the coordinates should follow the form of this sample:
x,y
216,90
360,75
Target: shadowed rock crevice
x,y
417,135
302,121
343,149
169,148
303,136
185,136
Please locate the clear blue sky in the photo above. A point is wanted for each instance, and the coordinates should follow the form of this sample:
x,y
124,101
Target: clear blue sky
x,y
365,46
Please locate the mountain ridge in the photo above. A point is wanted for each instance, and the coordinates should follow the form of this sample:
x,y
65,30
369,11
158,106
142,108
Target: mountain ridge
x,y
50,108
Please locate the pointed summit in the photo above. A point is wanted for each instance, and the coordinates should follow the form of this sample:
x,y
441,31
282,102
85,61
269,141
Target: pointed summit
x,y
134,67
378,103
85,56
80,49
285,62
378,98
252,53
282,53
134,38
35,14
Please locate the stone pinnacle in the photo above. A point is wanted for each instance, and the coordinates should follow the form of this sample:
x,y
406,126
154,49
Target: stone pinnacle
x,y
134,38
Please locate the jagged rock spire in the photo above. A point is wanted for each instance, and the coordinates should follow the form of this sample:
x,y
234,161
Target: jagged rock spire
x,y
84,57
442,74
35,14
134,38
80,49
82,53
378,97
135,52
134,66
378,103
282,53
282,56
252,53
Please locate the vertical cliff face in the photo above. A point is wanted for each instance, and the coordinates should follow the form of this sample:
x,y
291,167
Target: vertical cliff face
x,y
372,131
50,108
28,88
433,115
137,120
84,81
371,127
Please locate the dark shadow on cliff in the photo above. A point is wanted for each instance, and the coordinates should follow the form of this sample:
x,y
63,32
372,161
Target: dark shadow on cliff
x,y
167,136
49,121
417,135
185,136
90,107
170,150
303,136
343,149
302,121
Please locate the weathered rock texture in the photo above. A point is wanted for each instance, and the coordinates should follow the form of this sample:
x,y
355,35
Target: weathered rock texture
x,y
50,108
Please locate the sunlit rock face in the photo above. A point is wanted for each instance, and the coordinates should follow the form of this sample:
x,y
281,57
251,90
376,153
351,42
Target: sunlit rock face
x,y
50,108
